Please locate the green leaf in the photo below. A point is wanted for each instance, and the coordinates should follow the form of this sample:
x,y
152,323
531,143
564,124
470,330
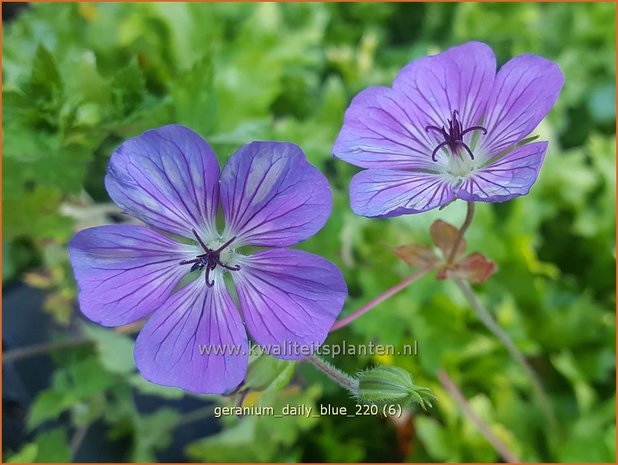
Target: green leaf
x,y
146,387
234,444
89,378
266,373
128,90
433,437
34,214
53,446
82,379
48,405
153,432
584,440
256,438
27,454
44,79
115,350
194,97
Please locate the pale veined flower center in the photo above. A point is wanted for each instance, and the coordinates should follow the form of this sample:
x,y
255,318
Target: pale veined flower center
x,y
214,255
459,167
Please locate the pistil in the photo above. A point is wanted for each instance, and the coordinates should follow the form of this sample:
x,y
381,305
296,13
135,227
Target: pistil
x,y
210,259
453,137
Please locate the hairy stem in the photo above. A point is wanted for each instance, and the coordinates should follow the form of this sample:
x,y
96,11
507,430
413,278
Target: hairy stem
x,y
461,233
496,330
342,379
378,300
502,449
510,346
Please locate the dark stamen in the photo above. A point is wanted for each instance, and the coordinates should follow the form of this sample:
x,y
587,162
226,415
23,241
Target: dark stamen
x,y
199,239
210,259
453,136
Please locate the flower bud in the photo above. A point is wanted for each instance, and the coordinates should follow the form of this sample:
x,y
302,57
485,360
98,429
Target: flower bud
x,y
392,385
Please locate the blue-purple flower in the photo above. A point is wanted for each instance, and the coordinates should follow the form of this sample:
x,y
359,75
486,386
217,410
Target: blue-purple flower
x,y
196,339
449,128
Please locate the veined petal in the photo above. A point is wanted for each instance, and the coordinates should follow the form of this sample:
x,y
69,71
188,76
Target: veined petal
x,y
510,176
125,272
525,90
385,128
168,178
460,78
196,341
271,195
389,193
382,130
289,299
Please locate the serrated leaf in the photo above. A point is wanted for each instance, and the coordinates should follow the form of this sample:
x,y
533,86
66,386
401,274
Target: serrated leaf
x,y
82,379
234,444
417,255
266,372
89,377
53,446
27,454
42,158
48,405
44,78
128,90
153,432
34,214
259,438
475,268
444,235
279,383
115,350
195,99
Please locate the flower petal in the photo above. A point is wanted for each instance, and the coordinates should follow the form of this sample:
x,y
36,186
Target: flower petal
x,y
460,78
196,341
271,195
525,90
125,272
385,128
393,193
289,300
379,131
168,178
511,176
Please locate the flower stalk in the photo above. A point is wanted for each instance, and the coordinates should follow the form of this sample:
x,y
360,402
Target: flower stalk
x,y
342,379
461,233
508,455
380,386
379,299
486,318
510,346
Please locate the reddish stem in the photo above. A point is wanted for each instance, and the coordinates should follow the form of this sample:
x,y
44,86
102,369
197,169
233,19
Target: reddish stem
x,y
379,299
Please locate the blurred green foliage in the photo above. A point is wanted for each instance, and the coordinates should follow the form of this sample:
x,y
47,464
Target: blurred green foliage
x,y
80,78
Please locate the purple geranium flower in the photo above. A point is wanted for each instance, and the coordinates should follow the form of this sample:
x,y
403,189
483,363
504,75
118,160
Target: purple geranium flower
x,y
449,128
195,339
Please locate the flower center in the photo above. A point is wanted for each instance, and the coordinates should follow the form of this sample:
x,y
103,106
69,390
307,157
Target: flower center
x,y
453,136
210,259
